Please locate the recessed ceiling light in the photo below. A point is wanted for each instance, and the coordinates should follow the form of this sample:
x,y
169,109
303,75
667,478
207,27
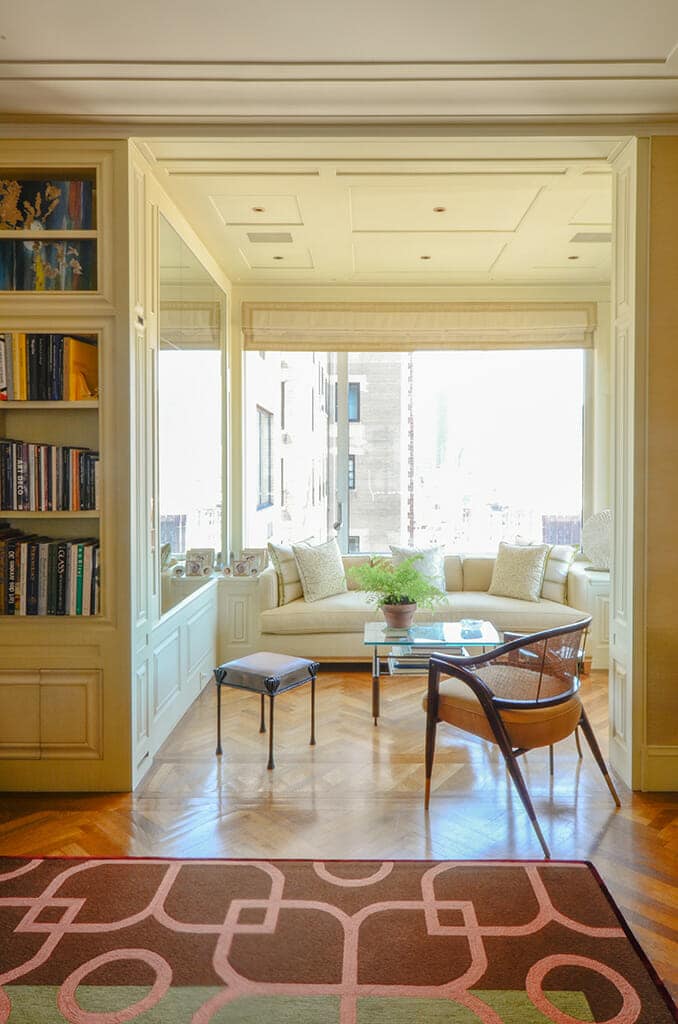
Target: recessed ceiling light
x,y
424,257
278,257
258,209
439,209
573,257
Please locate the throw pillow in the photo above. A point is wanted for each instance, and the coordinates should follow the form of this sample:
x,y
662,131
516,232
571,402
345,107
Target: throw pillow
x,y
321,570
284,563
431,563
560,558
519,571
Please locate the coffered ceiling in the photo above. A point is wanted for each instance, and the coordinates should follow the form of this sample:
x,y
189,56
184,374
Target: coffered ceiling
x,y
370,211
304,60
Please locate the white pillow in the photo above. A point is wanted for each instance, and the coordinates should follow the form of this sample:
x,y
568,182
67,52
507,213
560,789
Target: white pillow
x,y
560,558
284,563
431,563
519,571
321,570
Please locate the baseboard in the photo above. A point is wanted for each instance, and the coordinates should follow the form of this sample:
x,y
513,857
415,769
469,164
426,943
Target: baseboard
x,y
659,768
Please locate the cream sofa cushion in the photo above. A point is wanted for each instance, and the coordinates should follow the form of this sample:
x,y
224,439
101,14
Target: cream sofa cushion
x,y
477,572
285,565
341,613
560,558
519,571
454,573
321,570
429,562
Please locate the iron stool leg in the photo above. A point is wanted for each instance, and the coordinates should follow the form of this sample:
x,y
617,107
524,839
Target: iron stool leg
x,y
312,711
219,750
262,722
270,764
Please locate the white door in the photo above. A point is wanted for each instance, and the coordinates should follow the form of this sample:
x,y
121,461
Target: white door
x,y
628,345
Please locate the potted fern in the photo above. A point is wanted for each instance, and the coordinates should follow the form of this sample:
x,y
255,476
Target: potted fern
x,y
397,589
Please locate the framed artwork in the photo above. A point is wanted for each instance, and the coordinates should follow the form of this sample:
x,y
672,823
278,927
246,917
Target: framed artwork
x,y
199,561
37,265
43,204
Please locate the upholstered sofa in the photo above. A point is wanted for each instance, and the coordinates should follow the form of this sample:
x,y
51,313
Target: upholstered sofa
x,y
332,629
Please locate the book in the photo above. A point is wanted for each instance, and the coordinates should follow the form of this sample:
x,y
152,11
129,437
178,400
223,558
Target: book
x,y
81,368
3,368
9,366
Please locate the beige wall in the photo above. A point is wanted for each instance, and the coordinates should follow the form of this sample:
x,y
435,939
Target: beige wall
x,y
662,448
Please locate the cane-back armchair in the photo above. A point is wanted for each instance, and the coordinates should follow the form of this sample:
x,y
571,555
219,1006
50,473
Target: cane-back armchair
x,y
521,695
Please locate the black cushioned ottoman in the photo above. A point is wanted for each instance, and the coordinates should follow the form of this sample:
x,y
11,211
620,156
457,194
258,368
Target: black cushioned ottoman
x,y
269,675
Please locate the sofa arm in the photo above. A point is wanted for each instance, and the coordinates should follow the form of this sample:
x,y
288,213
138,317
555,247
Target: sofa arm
x,y
577,586
268,589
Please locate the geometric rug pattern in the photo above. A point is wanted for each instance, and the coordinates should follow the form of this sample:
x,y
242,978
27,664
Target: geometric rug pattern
x,y
317,942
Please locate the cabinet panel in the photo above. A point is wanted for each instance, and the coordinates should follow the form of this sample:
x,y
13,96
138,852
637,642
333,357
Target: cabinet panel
x,y
166,672
19,714
200,630
70,713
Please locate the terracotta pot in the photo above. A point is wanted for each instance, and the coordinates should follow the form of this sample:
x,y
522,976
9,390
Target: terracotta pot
x,y
399,616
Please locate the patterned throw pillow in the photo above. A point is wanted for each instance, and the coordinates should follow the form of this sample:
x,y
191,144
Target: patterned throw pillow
x,y
431,563
321,570
519,571
284,563
560,558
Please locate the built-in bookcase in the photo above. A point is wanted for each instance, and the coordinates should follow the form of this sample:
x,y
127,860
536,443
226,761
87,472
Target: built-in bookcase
x,y
50,485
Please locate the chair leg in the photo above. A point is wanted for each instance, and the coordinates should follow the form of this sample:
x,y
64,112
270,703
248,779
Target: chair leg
x,y
312,711
551,760
262,722
431,727
218,750
270,764
523,793
576,740
595,750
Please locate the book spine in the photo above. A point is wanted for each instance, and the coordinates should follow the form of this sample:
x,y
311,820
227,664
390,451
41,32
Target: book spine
x,y
43,372
52,578
32,584
11,577
72,578
79,579
96,581
3,368
23,369
43,577
87,580
3,576
61,560
32,343
22,577
21,479
9,366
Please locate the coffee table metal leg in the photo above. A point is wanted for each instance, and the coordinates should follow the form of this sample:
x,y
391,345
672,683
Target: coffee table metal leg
x,y
312,711
262,722
375,685
270,734
219,750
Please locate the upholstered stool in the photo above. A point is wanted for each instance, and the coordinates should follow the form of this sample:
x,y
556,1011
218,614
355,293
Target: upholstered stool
x,y
267,674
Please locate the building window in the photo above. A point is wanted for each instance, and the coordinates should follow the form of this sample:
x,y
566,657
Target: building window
x,y
265,488
283,385
353,402
353,545
282,483
351,472
312,409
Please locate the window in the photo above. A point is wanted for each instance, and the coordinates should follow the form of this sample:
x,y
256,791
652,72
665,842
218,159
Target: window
x,y
444,438
265,490
312,409
353,545
353,402
282,482
283,385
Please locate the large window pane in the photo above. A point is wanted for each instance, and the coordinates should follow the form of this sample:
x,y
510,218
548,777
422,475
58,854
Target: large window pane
x,y
462,449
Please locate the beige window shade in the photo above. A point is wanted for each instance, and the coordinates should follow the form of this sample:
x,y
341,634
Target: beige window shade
x,y
195,324
392,327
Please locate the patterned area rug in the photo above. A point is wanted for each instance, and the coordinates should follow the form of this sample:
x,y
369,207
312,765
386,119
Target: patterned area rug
x,y
324,942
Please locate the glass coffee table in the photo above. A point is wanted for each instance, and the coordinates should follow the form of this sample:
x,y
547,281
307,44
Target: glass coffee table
x,y
412,647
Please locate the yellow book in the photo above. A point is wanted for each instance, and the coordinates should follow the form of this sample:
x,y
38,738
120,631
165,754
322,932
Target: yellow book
x,y
81,369
19,366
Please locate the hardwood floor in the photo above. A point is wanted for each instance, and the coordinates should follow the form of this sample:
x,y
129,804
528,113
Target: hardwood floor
x,y
359,793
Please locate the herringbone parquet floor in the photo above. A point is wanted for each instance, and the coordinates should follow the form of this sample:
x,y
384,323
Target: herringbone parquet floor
x,y
358,793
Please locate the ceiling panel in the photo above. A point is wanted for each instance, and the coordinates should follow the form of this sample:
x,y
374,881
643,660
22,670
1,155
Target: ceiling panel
x,y
473,205
257,209
419,253
276,257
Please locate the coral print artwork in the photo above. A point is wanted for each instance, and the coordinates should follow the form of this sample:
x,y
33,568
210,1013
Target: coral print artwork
x,y
27,205
60,265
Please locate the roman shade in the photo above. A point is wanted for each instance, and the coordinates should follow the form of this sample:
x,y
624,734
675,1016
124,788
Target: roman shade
x,y
409,326
193,324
